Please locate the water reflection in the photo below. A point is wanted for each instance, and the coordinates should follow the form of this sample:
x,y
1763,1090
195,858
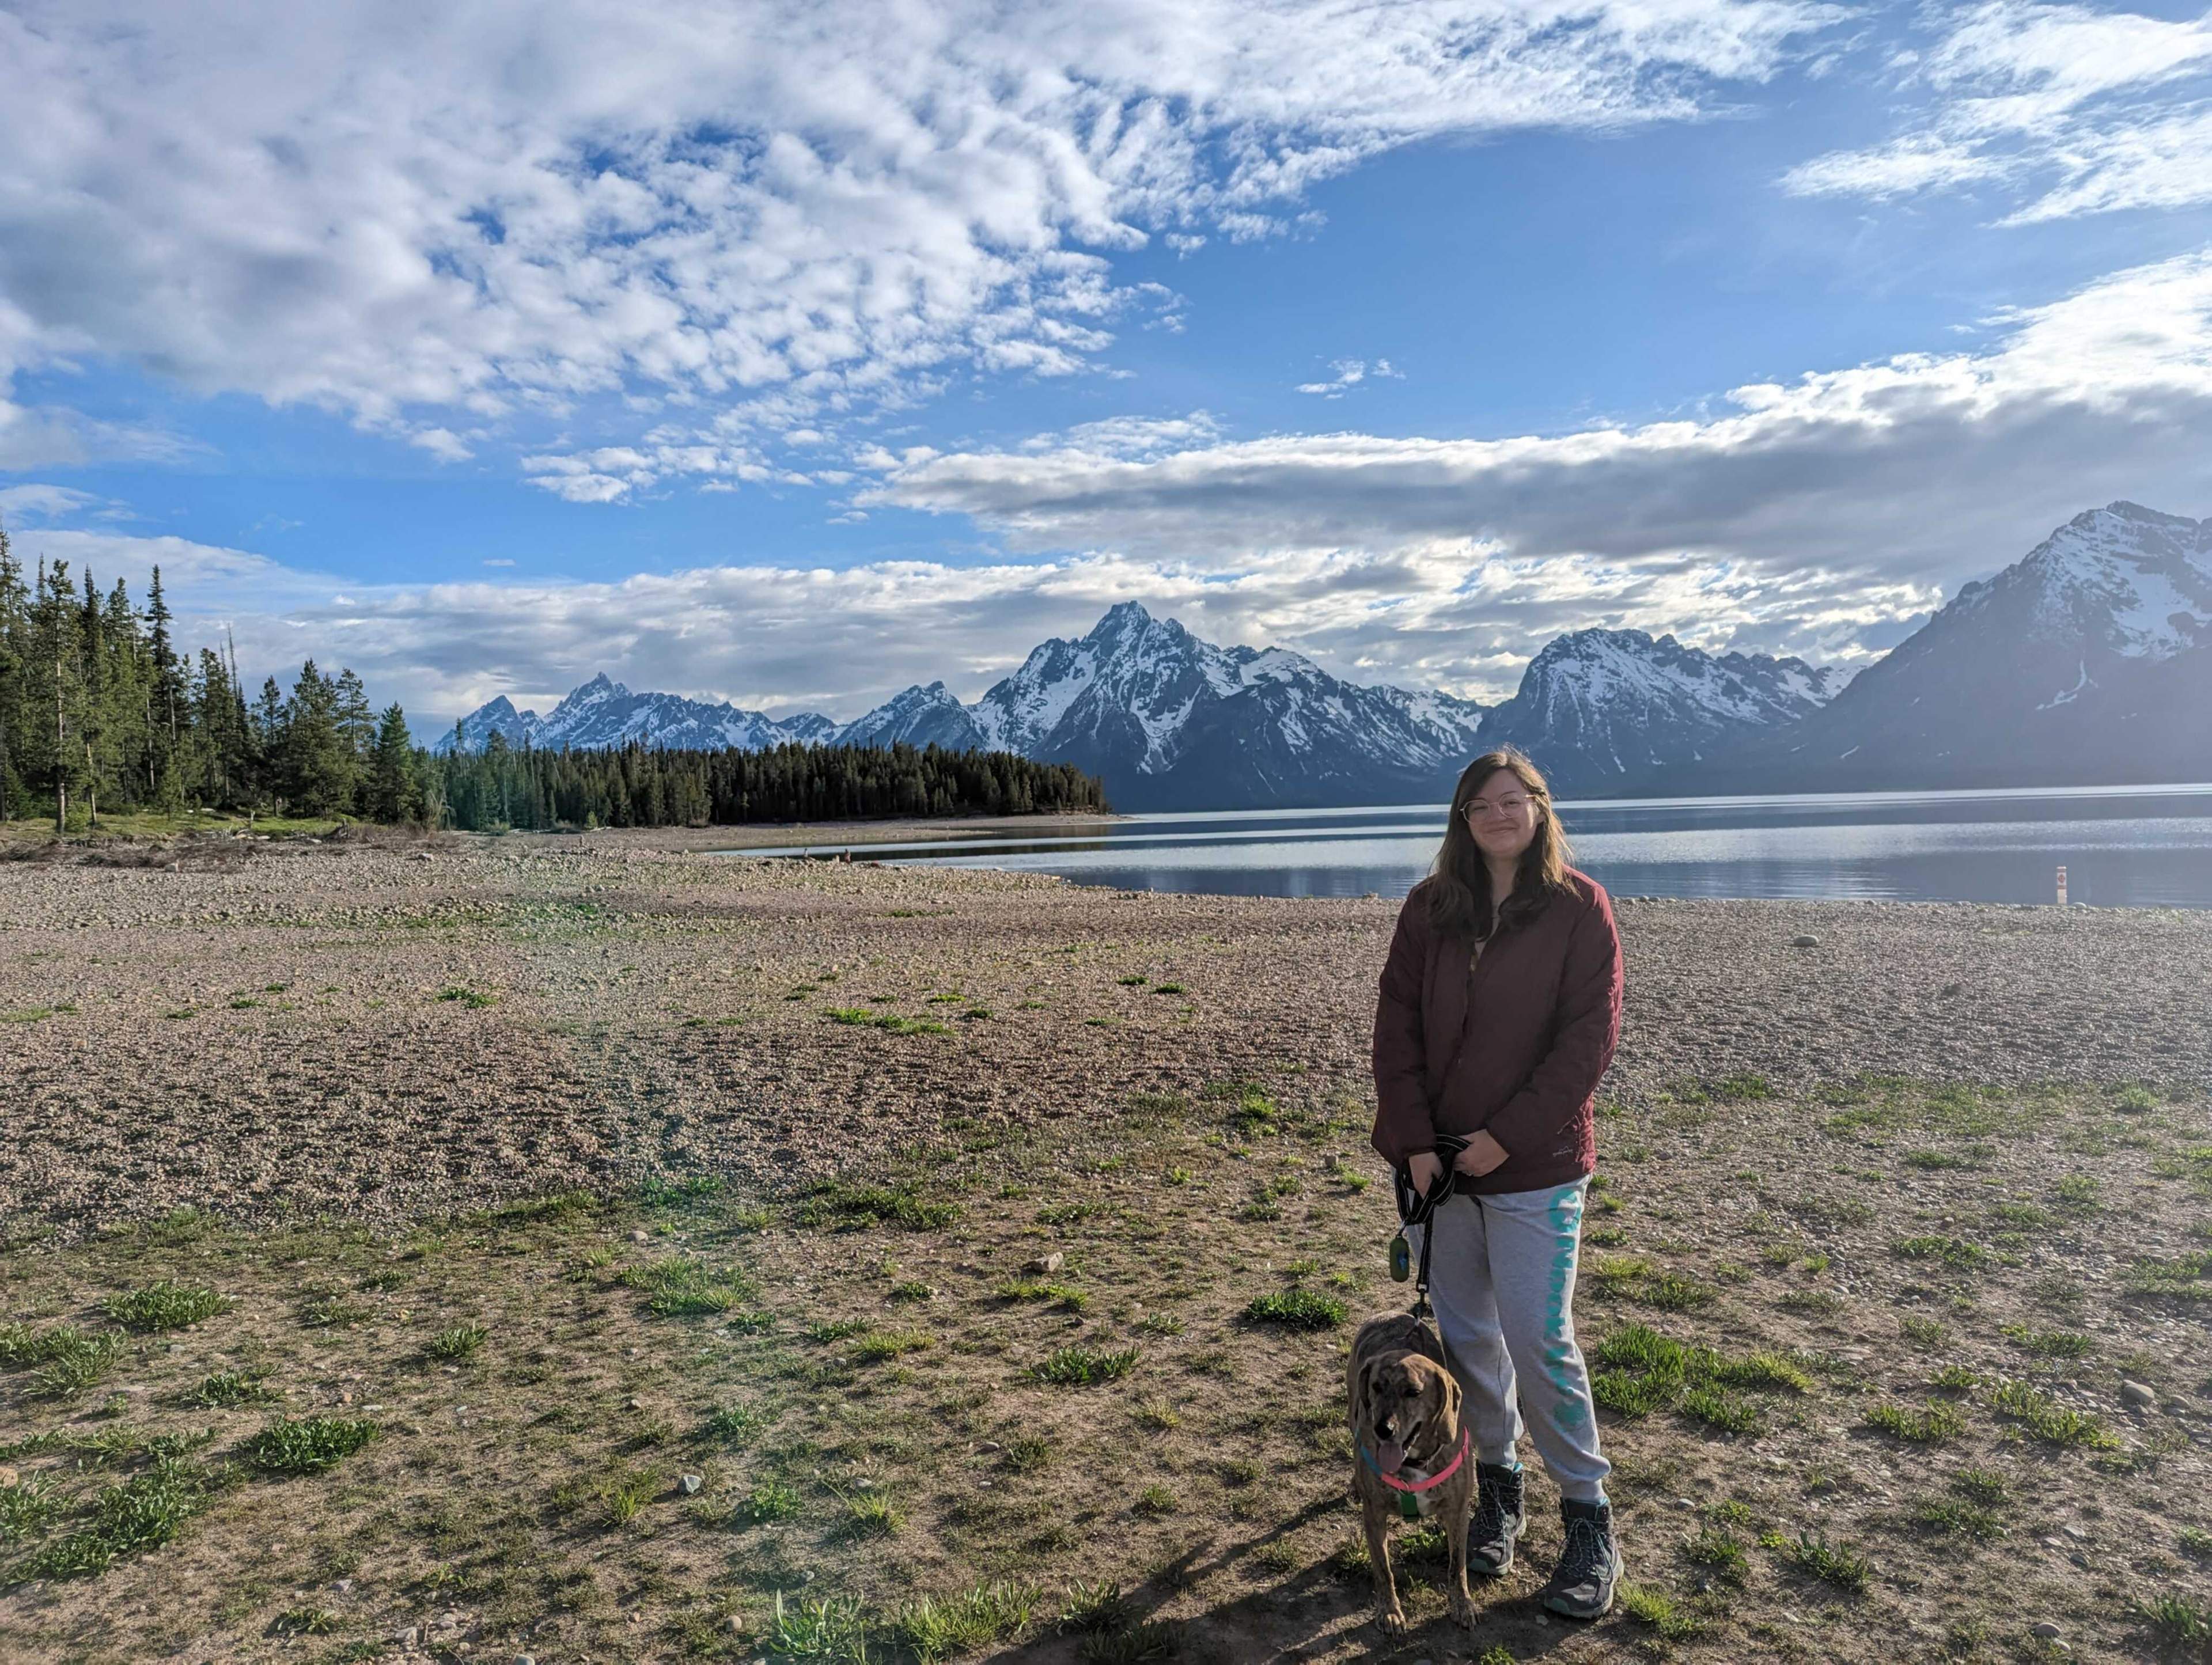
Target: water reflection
x,y
2122,846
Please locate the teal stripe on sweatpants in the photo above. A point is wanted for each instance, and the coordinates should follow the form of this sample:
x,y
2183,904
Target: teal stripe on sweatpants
x,y
1501,1279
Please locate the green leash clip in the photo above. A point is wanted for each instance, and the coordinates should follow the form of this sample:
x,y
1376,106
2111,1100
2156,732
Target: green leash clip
x,y
1401,1259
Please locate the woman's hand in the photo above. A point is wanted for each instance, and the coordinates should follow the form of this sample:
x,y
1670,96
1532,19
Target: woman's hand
x,y
1425,1170
1483,1154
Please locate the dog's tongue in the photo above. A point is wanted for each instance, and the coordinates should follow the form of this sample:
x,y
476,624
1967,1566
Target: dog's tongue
x,y
1390,1456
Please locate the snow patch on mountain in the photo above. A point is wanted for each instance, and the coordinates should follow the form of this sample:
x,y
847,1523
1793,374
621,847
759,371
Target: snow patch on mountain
x,y
2138,582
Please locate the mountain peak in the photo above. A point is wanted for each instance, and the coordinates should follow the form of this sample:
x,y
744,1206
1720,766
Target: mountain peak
x,y
1123,619
601,687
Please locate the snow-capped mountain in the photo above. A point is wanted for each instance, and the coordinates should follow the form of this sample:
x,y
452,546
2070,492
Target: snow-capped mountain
x,y
1173,722
1599,708
2088,660
1168,720
603,713
919,717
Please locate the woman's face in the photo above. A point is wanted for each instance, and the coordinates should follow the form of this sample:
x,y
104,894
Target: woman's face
x,y
1502,816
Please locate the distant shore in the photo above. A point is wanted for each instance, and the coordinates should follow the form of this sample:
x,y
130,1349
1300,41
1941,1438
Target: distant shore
x,y
383,1032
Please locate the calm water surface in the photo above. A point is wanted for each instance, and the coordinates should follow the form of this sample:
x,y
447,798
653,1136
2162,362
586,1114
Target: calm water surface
x,y
2121,846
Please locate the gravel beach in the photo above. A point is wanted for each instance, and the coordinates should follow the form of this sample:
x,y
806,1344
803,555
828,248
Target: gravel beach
x,y
379,1034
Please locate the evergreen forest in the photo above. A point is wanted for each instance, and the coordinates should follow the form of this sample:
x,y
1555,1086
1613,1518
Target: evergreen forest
x,y
102,711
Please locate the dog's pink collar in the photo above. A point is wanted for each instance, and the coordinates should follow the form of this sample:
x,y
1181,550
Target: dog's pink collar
x,y
1436,1479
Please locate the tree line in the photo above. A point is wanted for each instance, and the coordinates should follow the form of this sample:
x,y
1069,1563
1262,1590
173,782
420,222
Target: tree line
x,y
99,707
637,786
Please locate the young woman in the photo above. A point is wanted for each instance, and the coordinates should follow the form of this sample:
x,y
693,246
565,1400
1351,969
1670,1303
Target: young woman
x,y
1499,1009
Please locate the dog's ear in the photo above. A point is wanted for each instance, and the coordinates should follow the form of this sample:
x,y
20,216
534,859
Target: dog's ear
x,y
1367,1380
1451,1398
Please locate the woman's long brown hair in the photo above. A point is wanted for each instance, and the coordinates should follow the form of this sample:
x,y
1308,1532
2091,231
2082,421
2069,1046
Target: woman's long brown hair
x,y
1459,884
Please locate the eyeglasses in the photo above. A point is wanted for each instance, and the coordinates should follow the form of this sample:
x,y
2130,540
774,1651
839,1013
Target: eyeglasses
x,y
1512,803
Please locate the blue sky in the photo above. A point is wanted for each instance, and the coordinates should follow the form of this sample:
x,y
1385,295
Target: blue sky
x,y
791,355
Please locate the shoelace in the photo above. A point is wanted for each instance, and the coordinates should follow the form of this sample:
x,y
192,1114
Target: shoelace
x,y
1490,1494
1583,1556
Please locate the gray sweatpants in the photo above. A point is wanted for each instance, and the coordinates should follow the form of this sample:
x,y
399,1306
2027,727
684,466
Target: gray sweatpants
x,y
1503,1283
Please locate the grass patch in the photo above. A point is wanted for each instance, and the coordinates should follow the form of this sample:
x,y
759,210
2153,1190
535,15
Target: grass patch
x,y
461,1341
1955,1252
2048,1344
168,1305
938,1628
2044,1417
890,1021
732,1425
1660,1611
1950,1517
769,1501
141,1513
834,1203
880,1347
2179,1620
1636,1370
1938,1424
684,1287
226,1389
1832,1564
2188,1275
1083,1367
475,999
1297,1309
308,1445
68,1360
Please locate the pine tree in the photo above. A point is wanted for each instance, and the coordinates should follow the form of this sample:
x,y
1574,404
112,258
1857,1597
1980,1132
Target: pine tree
x,y
14,642
54,749
167,702
392,795
358,731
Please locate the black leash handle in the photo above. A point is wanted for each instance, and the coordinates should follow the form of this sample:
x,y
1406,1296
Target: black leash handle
x,y
1417,1207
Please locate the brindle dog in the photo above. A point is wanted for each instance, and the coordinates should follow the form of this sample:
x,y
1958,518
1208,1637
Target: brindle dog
x,y
1404,1423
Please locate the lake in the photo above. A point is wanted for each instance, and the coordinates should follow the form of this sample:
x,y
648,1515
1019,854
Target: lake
x,y
2121,846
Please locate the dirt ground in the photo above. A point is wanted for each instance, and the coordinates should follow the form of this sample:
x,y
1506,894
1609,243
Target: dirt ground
x,y
485,1197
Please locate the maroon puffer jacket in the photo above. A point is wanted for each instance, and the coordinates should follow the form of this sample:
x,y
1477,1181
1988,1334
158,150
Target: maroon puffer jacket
x,y
1520,1053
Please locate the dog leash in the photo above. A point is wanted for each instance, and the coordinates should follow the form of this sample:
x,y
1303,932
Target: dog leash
x,y
1416,1208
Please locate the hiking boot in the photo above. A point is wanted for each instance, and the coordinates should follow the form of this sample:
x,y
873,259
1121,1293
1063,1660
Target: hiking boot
x,y
1500,1517
1589,1565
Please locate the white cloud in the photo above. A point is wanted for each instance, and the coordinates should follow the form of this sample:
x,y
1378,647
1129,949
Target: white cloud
x,y
1808,513
41,503
2072,110
1350,373
442,443
439,218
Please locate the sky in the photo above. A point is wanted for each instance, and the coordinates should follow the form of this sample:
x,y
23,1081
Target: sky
x,y
794,352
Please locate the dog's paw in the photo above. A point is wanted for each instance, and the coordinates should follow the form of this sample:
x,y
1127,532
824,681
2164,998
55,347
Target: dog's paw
x,y
1463,1612
1392,1619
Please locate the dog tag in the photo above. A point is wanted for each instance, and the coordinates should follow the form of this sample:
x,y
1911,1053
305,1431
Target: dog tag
x,y
1409,1506
1401,1258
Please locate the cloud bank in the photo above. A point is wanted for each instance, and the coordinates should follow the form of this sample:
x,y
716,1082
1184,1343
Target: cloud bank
x,y
1823,516
699,223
